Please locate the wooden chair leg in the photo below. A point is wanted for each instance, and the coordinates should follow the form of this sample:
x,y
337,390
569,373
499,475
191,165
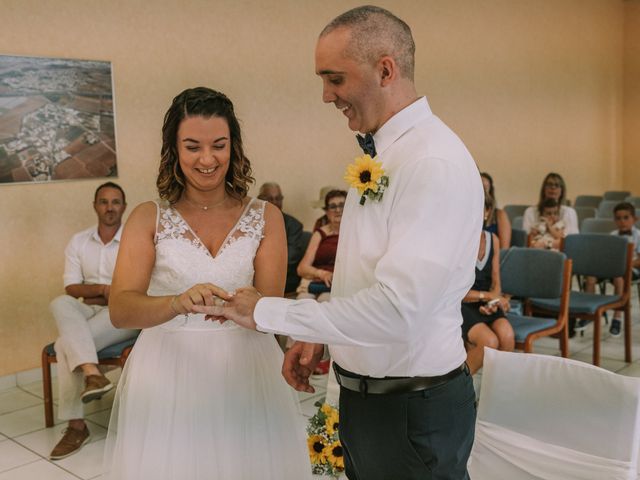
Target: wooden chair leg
x,y
564,341
627,332
47,391
597,327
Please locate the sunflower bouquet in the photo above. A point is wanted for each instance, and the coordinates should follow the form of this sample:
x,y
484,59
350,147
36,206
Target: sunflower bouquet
x,y
324,445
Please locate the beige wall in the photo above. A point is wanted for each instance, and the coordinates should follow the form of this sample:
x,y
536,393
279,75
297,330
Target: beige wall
x,y
631,135
530,86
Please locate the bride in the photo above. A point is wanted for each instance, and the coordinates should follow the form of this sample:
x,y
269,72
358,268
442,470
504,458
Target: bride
x,y
198,399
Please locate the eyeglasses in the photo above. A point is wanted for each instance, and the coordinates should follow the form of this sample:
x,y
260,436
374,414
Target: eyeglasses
x,y
553,185
335,206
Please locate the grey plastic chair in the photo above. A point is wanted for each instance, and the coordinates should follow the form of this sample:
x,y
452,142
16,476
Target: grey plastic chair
x,y
528,273
584,213
600,256
588,201
514,211
598,225
616,195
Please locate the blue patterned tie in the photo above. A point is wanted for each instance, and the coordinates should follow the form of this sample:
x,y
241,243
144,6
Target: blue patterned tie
x,y
367,144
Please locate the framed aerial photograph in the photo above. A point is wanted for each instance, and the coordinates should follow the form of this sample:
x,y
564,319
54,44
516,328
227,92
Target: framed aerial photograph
x,y
56,120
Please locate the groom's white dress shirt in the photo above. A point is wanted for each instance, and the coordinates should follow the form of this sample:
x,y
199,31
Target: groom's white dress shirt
x,y
403,263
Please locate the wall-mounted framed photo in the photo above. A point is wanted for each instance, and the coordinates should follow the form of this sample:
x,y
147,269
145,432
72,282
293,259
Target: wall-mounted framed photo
x,y
57,120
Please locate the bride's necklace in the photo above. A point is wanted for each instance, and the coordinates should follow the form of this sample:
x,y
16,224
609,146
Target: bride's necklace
x,y
205,207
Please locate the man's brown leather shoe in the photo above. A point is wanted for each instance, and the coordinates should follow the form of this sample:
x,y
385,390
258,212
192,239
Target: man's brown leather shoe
x,y
71,442
95,387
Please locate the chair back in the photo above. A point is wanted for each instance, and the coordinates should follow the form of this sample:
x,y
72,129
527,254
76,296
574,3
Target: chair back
x,y
601,256
616,195
514,211
588,201
518,237
517,222
605,209
598,225
531,272
584,213
542,416
635,201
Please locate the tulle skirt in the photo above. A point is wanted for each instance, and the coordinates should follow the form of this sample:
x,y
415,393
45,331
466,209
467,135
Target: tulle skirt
x,y
203,405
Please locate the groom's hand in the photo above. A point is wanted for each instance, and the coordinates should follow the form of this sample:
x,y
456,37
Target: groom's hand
x,y
299,362
239,308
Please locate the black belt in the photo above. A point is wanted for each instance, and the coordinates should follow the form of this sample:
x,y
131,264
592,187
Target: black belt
x,y
363,384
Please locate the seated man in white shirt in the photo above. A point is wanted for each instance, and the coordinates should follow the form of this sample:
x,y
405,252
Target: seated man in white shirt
x,y
82,316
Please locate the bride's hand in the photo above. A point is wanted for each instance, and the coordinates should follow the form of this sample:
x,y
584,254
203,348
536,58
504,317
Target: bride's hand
x,y
238,307
201,294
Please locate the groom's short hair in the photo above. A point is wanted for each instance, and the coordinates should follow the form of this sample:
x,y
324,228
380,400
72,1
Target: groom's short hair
x,y
376,32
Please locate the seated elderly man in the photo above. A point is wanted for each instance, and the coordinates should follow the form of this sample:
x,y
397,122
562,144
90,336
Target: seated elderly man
x,y
83,319
272,193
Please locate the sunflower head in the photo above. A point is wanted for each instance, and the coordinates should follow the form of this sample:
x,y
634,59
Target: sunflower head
x,y
333,453
332,422
317,446
364,173
327,409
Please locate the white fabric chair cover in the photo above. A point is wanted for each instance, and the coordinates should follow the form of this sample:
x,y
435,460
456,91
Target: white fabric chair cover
x,y
550,418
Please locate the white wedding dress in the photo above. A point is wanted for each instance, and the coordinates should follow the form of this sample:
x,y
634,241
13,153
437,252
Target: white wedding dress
x,y
200,400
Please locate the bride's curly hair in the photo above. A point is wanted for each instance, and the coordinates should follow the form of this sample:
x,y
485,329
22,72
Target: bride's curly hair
x,y
204,102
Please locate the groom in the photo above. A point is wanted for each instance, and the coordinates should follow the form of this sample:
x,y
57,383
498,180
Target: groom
x,y
404,263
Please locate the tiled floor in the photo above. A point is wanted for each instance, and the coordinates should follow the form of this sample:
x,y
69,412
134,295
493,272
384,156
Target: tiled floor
x,y
25,443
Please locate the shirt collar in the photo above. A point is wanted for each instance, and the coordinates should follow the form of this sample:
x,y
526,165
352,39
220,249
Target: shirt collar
x,y
400,123
116,237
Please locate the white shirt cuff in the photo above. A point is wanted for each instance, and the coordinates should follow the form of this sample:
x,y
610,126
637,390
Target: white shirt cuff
x,y
270,314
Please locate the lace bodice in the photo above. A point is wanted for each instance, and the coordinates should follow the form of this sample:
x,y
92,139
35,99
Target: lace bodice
x,y
182,260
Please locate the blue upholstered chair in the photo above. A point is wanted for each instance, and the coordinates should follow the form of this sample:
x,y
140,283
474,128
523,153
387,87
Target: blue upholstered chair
x,y
518,237
584,213
597,225
528,273
115,355
514,211
588,201
605,209
600,256
635,201
616,195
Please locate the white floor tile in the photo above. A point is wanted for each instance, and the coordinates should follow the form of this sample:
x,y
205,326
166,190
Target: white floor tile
x,y
13,455
24,421
100,405
308,406
43,441
87,463
35,388
100,418
40,470
606,363
16,399
632,370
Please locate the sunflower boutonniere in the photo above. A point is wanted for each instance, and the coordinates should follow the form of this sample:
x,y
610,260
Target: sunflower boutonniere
x,y
367,175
